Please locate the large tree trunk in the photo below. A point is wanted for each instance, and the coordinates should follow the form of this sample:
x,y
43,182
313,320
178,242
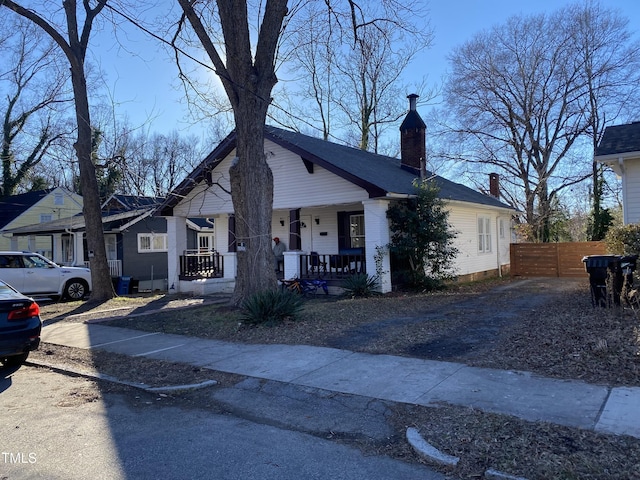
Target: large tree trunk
x,y
100,275
252,195
75,50
248,82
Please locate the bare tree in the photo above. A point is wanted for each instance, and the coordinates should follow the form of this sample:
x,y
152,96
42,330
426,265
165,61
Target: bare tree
x,y
312,63
352,60
34,85
152,164
611,74
74,47
518,94
248,76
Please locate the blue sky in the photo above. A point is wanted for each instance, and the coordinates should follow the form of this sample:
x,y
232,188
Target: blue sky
x,y
145,86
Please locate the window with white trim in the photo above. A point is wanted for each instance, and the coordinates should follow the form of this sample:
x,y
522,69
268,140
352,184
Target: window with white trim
x,y
46,217
484,234
58,199
152,242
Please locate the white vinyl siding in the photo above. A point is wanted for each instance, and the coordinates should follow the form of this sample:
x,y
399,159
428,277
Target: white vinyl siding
x,y
294,187
631,191
152,242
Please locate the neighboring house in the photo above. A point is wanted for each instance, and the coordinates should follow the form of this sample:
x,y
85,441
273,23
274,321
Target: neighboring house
x,y
329,206
34,208
619,148
135,240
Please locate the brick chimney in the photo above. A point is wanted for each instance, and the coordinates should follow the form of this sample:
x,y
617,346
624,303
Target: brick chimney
x,y
494,185
413,150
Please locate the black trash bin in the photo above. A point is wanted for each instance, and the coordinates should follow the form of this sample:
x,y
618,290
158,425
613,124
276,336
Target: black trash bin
x,y
605,279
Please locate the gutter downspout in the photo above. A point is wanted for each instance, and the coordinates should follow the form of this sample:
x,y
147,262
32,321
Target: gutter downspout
x,y
498,246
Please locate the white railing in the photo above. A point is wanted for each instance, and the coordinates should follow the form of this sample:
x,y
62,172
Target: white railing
x,y
115,267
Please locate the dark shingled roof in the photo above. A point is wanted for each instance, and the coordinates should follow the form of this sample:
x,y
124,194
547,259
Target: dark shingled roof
x,y
14,206
620,139
377,174
116,212
126,203
382,172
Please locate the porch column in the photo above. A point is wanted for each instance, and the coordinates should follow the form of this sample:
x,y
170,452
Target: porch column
x,y
78,249
230,260
292,264
376,232
176,245
56,248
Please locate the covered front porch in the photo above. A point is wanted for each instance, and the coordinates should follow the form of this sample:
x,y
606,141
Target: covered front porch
x,y
329,242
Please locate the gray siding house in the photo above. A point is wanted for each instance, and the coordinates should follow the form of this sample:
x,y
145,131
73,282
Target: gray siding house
x,y
135,240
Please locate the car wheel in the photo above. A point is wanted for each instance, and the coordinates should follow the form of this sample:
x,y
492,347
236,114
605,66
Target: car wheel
x,y
15,360
76,290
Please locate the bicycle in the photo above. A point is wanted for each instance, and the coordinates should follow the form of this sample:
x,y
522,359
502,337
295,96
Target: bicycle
x,y
304,287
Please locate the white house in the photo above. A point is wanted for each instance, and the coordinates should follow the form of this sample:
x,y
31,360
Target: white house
x,y
330,203
619,148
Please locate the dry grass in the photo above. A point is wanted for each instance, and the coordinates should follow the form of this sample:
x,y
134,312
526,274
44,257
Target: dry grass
x,y
544,326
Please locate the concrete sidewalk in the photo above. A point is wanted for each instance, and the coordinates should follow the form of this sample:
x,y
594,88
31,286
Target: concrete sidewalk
x,y
386,377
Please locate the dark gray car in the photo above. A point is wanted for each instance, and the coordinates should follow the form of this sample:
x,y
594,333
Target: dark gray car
x,y
20,326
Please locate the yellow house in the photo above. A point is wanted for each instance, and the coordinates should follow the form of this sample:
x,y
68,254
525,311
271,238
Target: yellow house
x,y
32,208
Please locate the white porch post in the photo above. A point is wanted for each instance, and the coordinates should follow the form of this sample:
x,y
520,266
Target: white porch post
x,y
376,231
56,248
78,249
230,260
176,245
292,264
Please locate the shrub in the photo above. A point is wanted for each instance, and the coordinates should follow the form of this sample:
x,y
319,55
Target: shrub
x,y
421,237
271,306
360,285
623,239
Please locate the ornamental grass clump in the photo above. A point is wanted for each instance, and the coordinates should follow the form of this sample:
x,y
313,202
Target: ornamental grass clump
x,y
360,285
271,307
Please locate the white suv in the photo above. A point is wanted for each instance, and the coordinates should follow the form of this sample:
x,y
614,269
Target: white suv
x,y
33,274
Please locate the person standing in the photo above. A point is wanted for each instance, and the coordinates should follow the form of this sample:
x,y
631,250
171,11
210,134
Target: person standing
x,y
278,251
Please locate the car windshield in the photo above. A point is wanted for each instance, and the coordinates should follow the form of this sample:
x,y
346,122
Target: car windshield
x,y
34,261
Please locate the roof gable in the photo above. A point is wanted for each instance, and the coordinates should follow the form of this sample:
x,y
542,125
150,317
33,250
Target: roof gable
x,y
16,205
118,212
379,175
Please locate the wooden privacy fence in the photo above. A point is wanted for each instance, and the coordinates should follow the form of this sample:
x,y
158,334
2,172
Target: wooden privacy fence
x,y
552,259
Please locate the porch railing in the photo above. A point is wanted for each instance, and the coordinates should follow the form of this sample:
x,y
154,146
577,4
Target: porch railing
x,y
329,266
115,267
196,264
